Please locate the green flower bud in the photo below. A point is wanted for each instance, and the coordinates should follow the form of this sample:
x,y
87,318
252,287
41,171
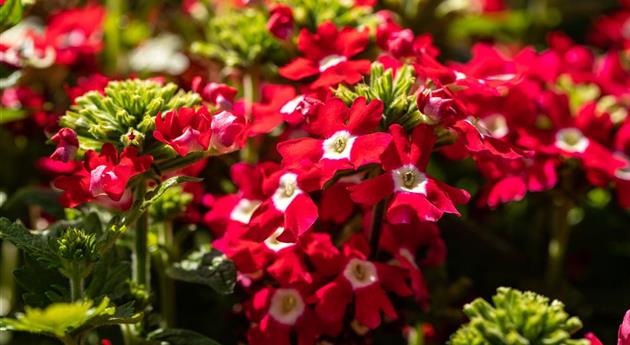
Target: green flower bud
x,y
399,100
77,251
127,107
239,38
517,318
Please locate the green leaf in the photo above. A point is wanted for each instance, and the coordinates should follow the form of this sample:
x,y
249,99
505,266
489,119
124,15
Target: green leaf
x,y
158,191
109,278
45,198
10,14
58,319
9,115
35,245
211,268
42,285
176,336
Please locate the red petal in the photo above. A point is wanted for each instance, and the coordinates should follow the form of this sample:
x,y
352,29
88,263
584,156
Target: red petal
x,y
372,191
368,149
299,68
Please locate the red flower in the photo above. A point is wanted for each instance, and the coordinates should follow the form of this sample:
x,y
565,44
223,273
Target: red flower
x,y
511,179
67,145
363,282
288,205
405,242
268,113
185,130
217,94
75,33
93,82
104,176
280,22
234,211
412,191
624,331
283,311
348,140
486,135
327,55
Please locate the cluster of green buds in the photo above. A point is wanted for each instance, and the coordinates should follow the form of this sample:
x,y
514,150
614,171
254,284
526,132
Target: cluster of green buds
x,y
240,39
312,13
125,113
517,318
396,92
170,204
77,250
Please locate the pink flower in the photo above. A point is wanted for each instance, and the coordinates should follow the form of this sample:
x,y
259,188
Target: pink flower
x,y
327,55
280,22
104,176
228,132
347,138
185,130
413,193
67,145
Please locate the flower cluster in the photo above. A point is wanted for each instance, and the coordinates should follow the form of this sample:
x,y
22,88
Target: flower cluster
x,y
331,120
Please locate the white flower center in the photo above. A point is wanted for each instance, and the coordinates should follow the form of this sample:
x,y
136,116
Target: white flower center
x,y
409,179
494,126
360,273
272,241
338,146
290,106
244,210
571,140
330,61
287,191
286,306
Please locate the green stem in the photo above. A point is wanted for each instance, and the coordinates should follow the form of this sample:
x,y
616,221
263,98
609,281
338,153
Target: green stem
x,y
76,287
141,251
8,264
378,213
557,248
167,285
249,153
112,34
248,94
